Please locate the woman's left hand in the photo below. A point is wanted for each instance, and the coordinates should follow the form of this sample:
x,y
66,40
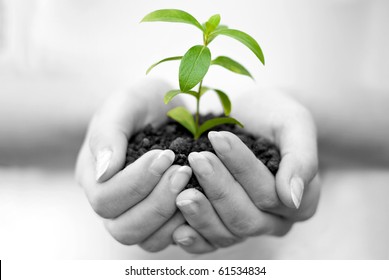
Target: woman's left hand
x,y
243,198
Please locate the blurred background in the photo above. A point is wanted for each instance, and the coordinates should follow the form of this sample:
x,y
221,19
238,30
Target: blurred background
x,y
59,60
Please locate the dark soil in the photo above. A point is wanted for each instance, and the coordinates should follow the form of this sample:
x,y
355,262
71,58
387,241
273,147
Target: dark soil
x,y
176,138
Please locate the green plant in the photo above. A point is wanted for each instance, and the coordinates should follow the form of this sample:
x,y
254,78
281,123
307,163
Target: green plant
x,y
195,64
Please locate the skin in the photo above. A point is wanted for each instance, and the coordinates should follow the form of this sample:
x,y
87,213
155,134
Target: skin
x,y
243,202
128,197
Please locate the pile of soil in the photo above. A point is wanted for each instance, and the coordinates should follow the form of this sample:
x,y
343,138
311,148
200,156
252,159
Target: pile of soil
x,y
176,138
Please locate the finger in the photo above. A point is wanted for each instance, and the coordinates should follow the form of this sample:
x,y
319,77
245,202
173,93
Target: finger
x,y
163,237
249,171
109,147
201,216
108,135
229,199
299,159
191,241
128,187
309,201
118,119
147,216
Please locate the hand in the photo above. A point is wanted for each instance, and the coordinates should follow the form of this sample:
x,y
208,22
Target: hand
x,y
137,202
246,200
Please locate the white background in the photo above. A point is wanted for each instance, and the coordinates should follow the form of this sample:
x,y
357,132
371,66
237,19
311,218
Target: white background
x,y
60,59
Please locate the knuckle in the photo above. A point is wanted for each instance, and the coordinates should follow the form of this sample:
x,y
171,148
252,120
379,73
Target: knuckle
x,y
200,223
244,228
267,202
99,204
239,171
164,212
121,235
137,191
226,241
218,196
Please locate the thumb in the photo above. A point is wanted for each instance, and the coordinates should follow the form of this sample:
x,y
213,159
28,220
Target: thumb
x,y
299,160
294,174
108,147
116,121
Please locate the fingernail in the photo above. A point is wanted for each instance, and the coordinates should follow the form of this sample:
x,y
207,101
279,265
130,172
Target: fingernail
x,y
186,241
103,159
162,162
180,178
200,163
187,206
296,190
219,142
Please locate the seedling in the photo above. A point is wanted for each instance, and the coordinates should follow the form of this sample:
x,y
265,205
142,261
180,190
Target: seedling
x,y
195,64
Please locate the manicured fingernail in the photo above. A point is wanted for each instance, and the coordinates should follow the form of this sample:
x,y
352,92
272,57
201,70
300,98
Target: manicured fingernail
x,y
219,142
162,162
296,190
186,241
200,163
180,178
188,207
103,159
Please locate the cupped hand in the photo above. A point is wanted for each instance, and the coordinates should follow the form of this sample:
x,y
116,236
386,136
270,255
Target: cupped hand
x,y
137,202
243,198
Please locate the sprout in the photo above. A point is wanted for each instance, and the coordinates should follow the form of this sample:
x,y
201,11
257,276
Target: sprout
x,y
195,64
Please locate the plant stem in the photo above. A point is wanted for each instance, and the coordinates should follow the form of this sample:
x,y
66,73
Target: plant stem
x,y
198,109
205,39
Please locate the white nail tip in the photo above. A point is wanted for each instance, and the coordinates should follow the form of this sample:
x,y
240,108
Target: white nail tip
x,y
102,162
296,191
187,241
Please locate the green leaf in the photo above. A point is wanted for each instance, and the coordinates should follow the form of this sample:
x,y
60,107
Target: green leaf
x,y
213,34
212,23
170,95
224,100
215,122
173,93
222,26
194,65
172,15
244,38
184,117
231,65
163,60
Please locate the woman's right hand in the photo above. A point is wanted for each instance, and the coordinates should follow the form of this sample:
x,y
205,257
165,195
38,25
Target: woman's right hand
x,y
137,202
